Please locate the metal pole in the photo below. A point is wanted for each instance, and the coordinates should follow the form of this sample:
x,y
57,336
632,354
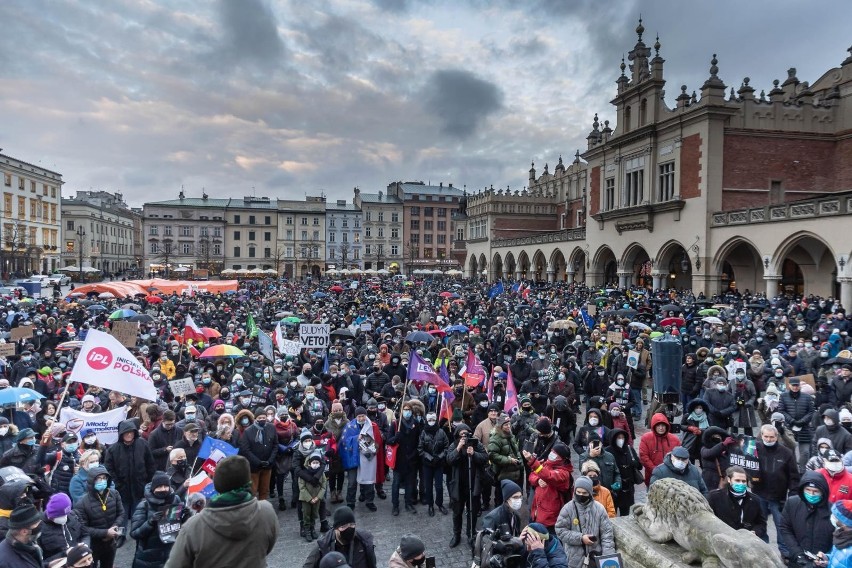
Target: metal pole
x,y
469,495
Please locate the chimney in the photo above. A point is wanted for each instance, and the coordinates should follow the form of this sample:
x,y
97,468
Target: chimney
x,y
381,195
451,185
441,185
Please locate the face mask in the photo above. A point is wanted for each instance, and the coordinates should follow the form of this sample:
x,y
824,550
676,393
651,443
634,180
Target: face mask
x,y
768,444
71,448
307,444
100,485
206,381
310,396
620,442
245,401
552,457
406,414
315,465
190,416
699,411
31,442
814,499
431,421
582,499
381,407
515,504
600,373
721,388
347,535
679,464
4,430
834,467
828,421
593,421
483,404
61,520
779,374
244,421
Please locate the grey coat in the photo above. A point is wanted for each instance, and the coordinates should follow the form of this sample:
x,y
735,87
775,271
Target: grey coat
x,y
691,475
593,520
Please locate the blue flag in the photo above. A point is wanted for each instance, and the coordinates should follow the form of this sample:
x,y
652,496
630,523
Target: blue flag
x,y
495,290
209,444
587,319
325,363
516,286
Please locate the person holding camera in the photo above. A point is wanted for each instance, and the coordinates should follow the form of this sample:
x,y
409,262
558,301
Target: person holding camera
x,y
259,445
151,551
584,527
466,459
542,549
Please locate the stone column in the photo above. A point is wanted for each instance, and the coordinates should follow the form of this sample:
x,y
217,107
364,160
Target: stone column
x,y
518,274
659,280
845,292
624,279
571,274
551,276
593,277
771,285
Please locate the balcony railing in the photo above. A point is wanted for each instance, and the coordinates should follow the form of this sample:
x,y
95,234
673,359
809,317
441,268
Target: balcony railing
x,y
564,235
797,210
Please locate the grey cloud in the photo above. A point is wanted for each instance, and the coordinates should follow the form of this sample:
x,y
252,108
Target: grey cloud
x,y
461,100
250,32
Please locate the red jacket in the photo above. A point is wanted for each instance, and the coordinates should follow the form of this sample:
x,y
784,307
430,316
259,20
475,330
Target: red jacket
x,y
839,486
549,500
653,448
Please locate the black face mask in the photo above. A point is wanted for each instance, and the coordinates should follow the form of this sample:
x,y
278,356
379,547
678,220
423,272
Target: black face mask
x,y
347,535
582,499
418,561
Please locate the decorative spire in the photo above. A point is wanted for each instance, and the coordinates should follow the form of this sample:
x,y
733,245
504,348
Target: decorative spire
x,y
694,99
776,89
622,66
657,46
577,157
595,123
714,80
714,69
606,128
640,29
745,89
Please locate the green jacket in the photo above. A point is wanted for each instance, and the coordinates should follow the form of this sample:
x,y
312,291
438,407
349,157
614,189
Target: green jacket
x,y
609,468
501,448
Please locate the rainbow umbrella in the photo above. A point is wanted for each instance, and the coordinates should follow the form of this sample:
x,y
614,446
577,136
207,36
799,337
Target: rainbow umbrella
x,y
222,351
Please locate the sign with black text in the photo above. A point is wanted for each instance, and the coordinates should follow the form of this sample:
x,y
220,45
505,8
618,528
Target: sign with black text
x,y
314,335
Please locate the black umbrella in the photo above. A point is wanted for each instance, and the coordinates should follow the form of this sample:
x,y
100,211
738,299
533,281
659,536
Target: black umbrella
x,y
755,306
343,332
626,312
141,318
657,301
671,308
703,302
418,336
838,361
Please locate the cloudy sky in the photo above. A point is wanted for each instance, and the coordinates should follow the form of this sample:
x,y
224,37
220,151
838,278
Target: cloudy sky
x,y
292,98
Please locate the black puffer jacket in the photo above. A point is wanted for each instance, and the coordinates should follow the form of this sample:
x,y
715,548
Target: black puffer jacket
x,y
805,526
62,465
715,456
151,552
130,466
159,440
432,447
24,457
798,412
10,495
96,521
55,539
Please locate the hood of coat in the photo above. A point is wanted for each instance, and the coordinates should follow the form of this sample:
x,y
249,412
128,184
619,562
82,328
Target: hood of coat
x,y
232,523
707,437
94,472
126,426
815,478
660,418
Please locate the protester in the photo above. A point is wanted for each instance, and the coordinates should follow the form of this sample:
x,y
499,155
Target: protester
x,y
101,510
62,528
235,529
737,506
354,544
130,465
151,551
20,547
583,525
410,553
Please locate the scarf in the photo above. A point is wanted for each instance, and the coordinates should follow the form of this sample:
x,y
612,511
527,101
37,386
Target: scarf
x,y
233,497
842,538
701,419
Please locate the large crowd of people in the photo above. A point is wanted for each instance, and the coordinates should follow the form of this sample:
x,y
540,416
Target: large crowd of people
x,y
530,458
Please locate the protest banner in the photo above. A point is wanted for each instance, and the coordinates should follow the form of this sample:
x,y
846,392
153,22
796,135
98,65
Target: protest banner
x,y
125,332
592,309
314,335
264,342
745,456
614,337
260,396
7,350
104,424
105,362
809,379
366,326
182,387
291,348
21,332
632,359
169,525
732,367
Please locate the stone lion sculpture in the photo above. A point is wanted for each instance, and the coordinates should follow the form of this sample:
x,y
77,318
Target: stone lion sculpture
x,y
676,511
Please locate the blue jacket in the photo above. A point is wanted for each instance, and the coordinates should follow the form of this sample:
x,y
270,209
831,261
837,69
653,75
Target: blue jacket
x,y
79,485
840,558
551,556
349,454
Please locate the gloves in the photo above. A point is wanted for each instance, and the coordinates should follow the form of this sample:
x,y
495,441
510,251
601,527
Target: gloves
x,y
264,464
158,516
616,486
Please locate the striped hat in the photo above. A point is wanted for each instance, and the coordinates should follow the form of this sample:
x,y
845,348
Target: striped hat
x,y
842,510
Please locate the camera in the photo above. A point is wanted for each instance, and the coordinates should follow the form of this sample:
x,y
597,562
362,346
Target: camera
x,y
507,552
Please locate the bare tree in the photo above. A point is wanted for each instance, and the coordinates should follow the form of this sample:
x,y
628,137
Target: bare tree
x,y
165,253
412,252
343,250
278,258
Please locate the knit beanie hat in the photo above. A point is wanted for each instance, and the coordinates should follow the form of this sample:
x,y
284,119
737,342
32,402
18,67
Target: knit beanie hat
x,y
232,473
584,482
59,505
360,411
336,407
24,434
457,415
341,516
23,516
544,426
562,450
410,547
509,488
842,510
77,553
160,479
845,415
539,530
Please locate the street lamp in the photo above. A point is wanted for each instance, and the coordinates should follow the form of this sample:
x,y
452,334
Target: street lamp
x,y
81,233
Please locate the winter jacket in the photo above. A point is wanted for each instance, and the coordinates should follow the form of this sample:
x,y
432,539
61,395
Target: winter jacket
x,y
805,526
432,446
7,442
778,470
130,466
56,539
551,556
523,425
610,474
62,465
79,485
842,391
159,440
239,535
689,384
690,475
738,512
841,440
745,399
502,448
407,436
15,556
459,474
96,521
798,410
592,520
715,456
839,486
721,405
502,515
548,501
586,432
653,448
360,553
24,457
259,446
626,460
151,552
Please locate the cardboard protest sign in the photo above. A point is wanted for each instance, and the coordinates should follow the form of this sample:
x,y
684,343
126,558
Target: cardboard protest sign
x,y
21,332
732,367
125,332
182,387
614,337
314,335
809,378
291,348
592,309
366,326
7,350
632,359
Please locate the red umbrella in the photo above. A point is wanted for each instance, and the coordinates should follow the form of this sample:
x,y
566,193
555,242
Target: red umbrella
x,y
445,294
438,332
337,289
153,299
672,321
210,333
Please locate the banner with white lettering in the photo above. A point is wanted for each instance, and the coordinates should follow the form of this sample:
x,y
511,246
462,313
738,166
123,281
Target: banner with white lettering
x,y
105,362
104,424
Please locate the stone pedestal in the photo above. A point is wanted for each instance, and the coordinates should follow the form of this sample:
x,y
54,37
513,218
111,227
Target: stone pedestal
x,y
638,551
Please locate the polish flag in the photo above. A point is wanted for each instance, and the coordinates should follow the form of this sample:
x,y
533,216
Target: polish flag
x,y
192,331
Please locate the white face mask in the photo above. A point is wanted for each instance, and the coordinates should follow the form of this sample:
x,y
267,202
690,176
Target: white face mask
x,y
4,430
61,520
92,464
834,466
620,442
515,504
431,421
484,404
593,421
679,464
552,457
90,439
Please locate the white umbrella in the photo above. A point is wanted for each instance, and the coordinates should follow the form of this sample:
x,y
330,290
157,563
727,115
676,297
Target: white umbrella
x,y
355,271
106,295
331,271
242,271
371,271
454,272
180,269
384,272
712,319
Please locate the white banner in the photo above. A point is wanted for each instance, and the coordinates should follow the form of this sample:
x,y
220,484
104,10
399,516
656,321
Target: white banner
x,y
104,424
105,362
314,335
264,343
290,347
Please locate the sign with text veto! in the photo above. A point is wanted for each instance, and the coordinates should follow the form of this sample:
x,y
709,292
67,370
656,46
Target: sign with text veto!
x,y
314,336
105,362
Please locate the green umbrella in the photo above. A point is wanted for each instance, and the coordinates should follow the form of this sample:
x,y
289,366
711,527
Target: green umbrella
x,y
708,312
291,319
656,334
122,314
